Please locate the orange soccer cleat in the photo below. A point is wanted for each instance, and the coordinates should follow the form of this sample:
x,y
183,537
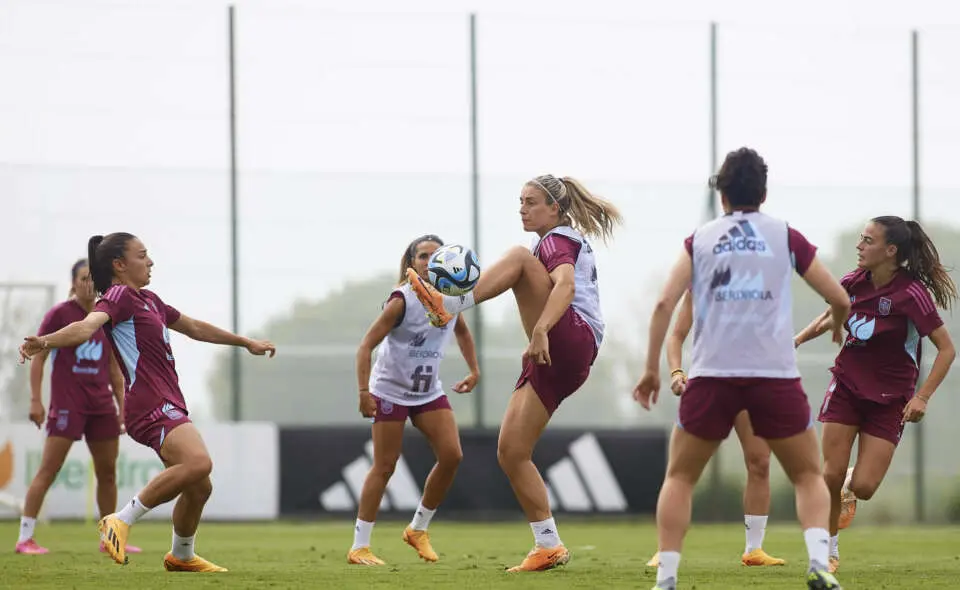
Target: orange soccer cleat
x,y
848,503
194,564
113,536
363,556
759,557
431,299
420,541
541,558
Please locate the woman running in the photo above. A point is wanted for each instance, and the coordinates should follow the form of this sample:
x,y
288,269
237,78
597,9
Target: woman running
x,y
555,286
873,393
135,322
756,451
405,382
740,268
84,382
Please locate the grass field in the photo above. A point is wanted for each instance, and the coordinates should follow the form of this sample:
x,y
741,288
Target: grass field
x,y
605,555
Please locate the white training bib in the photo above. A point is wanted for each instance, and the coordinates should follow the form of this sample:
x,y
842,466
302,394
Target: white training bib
x,y
407,367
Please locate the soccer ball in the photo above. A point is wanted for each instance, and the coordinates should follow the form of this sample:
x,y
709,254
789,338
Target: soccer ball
x,y
453,270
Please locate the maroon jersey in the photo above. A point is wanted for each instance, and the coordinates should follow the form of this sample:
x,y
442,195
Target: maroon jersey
x,y
556,249
880,358
565,245
138,330
80,377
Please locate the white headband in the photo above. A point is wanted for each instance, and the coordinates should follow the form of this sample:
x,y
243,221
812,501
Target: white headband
x,y
563,191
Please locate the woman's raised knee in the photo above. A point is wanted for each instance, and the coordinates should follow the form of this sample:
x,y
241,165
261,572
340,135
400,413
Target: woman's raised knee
x,y
519,252
862,489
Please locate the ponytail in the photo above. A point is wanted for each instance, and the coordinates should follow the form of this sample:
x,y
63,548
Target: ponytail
x,y
923,262
101,252
100,274
917,255
593,216
588,214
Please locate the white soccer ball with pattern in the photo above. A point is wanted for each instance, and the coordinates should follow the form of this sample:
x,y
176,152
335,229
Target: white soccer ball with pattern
x,y
453,270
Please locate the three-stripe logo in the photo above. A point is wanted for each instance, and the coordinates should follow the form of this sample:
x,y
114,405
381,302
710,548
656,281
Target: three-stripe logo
x,y
402,491
584,481
742,238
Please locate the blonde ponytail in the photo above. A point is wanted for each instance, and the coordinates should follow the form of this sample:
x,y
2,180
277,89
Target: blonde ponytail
x,y
590,215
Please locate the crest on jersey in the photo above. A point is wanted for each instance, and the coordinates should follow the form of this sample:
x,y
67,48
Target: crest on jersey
x,y
63,417
883,308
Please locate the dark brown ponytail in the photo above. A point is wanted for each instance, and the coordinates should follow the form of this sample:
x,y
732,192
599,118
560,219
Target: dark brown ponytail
x,y
923,261
101,252
917,255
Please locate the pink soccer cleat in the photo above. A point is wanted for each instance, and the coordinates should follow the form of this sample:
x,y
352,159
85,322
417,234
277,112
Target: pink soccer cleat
x,y
30,547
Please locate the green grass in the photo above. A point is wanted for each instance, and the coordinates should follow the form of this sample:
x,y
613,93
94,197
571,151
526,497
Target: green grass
x,y
605,555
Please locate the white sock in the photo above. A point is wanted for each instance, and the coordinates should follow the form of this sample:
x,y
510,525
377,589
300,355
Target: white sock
x,y
457,303
183,546
818,546
421,518
27,525
545,533
361,534
835,546
669,564
133,511
756,527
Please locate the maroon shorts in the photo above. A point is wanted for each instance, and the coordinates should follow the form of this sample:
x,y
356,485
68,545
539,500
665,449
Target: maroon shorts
x,y
152,429
842,406
778,408
573,348
74,425
388,411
